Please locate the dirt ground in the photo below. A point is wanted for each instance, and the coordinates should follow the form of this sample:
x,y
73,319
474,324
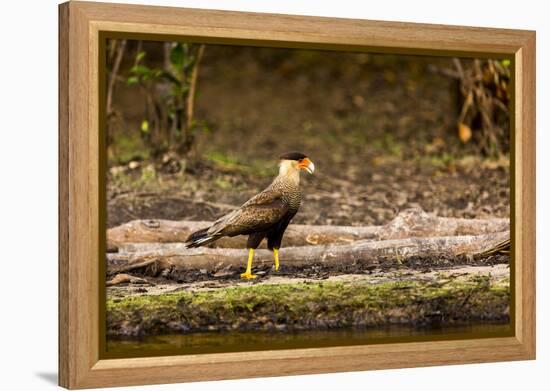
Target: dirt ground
x,y
380,129
470,190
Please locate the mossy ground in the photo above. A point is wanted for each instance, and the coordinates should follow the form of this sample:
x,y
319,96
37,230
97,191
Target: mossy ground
x,y
319,305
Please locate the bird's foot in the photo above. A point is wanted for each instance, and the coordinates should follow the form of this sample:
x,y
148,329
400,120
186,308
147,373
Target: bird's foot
x,y
248,275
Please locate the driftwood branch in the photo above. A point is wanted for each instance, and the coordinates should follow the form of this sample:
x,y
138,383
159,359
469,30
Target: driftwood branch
x,y
175,256
408,224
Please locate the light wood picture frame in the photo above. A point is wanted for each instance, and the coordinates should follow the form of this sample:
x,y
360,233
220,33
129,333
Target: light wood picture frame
x,y
82,249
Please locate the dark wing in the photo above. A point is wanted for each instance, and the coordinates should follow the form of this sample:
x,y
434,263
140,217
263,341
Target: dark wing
x,y
258,214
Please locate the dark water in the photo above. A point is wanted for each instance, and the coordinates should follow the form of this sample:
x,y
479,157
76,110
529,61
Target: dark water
x,y
215,342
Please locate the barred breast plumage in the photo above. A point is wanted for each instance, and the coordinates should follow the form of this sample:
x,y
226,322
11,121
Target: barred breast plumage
x,y
291,193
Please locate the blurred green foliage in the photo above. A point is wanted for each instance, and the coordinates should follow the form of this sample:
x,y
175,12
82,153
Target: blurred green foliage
x,y
169,124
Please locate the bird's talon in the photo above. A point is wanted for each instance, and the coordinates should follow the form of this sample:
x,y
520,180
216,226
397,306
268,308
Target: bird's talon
x,y
248,276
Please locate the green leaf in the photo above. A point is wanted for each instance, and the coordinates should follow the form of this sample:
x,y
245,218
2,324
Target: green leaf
x,y
506,62
145,126
140,69
177,56
132,80
140,56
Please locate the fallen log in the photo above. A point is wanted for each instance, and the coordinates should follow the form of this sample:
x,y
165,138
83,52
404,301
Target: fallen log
x,y
166,231
409,223
176,256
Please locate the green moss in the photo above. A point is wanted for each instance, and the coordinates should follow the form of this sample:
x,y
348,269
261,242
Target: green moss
x,y
144,179
127,148
256,167
309,306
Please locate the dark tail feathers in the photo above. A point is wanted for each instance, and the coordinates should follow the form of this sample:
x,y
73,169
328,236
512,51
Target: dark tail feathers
x,y
200,238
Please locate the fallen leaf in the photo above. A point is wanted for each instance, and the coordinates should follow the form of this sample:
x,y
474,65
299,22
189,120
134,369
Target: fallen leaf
x,y
464,132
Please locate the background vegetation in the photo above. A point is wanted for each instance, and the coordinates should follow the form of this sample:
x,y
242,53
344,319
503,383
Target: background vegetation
x,y
195,129
166,76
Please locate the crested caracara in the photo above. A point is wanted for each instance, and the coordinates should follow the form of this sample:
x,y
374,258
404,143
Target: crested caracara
x,y
266,215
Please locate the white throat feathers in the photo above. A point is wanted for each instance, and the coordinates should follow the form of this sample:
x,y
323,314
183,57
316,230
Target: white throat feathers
x,y
289,171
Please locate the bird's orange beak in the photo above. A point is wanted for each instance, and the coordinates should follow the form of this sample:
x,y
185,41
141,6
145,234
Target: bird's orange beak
x,y
306,164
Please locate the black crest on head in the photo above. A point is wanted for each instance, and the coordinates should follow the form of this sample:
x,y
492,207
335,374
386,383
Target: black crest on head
x,y
292,156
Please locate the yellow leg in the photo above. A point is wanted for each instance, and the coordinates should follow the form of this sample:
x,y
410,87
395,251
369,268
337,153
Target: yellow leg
x,y
276,257
248,273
